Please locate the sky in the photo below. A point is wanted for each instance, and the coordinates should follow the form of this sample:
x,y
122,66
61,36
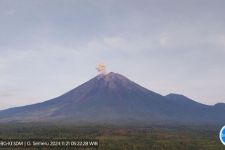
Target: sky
x,y
48,47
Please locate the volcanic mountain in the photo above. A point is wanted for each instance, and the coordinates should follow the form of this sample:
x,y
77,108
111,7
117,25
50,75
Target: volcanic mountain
x,y
112,98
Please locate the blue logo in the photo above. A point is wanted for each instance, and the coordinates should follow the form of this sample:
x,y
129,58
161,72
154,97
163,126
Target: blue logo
x,y
222,135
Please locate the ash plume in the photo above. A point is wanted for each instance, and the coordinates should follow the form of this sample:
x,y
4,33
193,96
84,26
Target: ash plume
x,y
101,68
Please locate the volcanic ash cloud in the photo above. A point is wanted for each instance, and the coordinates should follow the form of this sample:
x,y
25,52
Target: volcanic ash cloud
x,y
101,68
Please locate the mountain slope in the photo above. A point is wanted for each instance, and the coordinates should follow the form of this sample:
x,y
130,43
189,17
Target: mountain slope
x,y
194,112
114,98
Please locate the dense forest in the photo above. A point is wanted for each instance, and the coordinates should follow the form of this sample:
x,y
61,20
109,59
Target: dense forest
x,y
120,137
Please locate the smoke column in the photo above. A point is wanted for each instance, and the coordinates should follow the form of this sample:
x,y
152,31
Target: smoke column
x,y
101,68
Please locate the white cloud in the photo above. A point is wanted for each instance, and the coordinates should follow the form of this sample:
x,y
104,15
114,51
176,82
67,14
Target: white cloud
x,y
218,43
9,12
115,42
164,39
221,40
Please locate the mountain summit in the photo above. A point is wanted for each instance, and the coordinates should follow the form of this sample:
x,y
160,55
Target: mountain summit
x,y
113,98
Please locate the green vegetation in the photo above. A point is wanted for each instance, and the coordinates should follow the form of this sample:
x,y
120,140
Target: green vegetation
x,y
120,137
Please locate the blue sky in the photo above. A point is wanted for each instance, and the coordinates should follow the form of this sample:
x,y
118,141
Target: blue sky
x,y
48,47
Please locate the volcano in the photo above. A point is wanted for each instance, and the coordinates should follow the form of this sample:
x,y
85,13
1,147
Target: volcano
x,y
113,98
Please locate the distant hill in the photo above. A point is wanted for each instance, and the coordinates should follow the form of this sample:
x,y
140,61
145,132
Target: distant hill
x,y
112,98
